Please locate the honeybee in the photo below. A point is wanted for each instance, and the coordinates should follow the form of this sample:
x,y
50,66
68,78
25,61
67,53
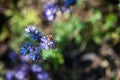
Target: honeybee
x,y
50,36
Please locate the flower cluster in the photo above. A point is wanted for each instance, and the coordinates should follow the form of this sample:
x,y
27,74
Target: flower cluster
x,y
43,42
23,70
51,9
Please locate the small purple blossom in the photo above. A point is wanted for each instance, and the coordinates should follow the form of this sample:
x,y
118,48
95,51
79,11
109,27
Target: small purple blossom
x,y
44,39
43,76
9,75
50,18
46,43
44,46
37,50
51,9
36,68
19,75
32,50
24,58
52,44
29,29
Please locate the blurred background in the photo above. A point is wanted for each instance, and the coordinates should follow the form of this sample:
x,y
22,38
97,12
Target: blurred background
x,y
88,41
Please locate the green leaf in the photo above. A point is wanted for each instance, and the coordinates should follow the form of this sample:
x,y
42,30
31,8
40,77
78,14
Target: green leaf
x,y
3,34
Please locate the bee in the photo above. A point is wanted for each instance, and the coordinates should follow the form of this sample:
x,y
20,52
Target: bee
x,y
50,36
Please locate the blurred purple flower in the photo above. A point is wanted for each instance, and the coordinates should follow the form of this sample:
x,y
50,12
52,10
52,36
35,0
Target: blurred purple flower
x,y
42,76
23,69
36,68
9,75
19,75
49,11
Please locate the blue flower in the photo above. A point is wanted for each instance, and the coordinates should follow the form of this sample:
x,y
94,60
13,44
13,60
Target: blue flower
x,y
37,50
31,49
34,37
26,44
34,57
70,2
23,51
38,33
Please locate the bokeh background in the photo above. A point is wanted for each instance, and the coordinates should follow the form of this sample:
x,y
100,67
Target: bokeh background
x,y
88,41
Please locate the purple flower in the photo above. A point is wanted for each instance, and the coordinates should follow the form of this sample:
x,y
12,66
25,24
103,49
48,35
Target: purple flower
x,y
50,18
36,68
25,58
9,75
34,37
50,11
32,50
44,45
52,44
34,57
29,29
37,50
38,33
23,69
42,76
23,51
44,39
34,34
26,44
20,75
